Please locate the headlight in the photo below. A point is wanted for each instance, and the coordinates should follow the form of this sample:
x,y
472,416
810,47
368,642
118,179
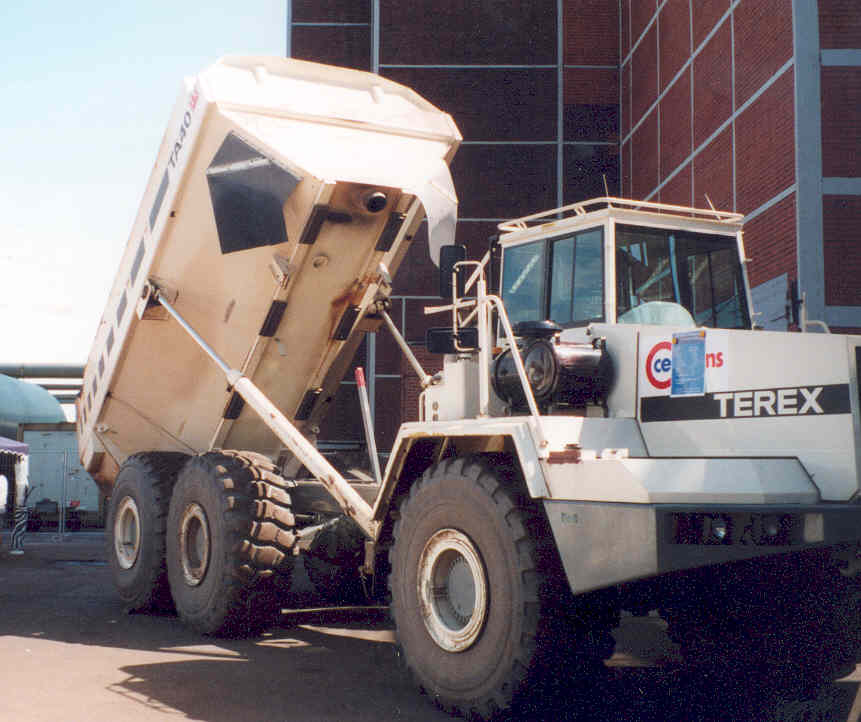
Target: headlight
x,y
716,530
540,364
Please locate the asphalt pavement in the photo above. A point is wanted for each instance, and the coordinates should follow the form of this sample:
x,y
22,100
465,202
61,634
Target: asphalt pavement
x,y
69,652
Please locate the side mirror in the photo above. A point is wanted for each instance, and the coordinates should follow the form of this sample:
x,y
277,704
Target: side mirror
x,y
448,257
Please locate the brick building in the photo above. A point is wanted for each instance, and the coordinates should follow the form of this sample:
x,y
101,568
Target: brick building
x,y
754,103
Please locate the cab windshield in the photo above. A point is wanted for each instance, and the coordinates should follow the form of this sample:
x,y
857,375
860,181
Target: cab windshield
x,y
664,277
698,271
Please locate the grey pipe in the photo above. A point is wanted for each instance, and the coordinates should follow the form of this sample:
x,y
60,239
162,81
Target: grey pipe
x,y
42,371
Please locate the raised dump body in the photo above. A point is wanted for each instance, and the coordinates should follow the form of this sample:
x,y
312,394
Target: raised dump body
x,y
283,194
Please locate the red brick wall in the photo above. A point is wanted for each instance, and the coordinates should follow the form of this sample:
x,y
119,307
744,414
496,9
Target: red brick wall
x,y
765,146
763,43
842,237
644,145
626,28
712,85
678,190
757,36
706,14
641,13
676,125
625,109
675,39
713,172
644,75
338,11
839,24
594,86
769,241
346,46
840,28
591,32
841,122
627,188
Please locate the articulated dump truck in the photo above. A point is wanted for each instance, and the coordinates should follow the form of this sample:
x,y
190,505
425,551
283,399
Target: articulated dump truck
x,y
609,433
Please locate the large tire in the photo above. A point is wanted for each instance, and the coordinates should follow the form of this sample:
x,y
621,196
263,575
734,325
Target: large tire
x,y
135,527
229,551
472,585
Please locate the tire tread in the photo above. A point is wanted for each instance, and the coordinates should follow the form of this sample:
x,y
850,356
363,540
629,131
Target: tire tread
x,y
256,509
537,602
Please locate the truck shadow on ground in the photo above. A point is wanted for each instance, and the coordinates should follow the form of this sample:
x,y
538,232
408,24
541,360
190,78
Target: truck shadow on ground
x,y
325,673
337,666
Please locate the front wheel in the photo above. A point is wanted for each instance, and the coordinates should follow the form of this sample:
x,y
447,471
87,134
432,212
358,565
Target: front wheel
x,y
470,588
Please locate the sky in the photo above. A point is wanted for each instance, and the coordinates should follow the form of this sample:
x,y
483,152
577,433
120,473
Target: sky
x,y
86,90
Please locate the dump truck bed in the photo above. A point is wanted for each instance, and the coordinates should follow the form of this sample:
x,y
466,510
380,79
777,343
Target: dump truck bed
x,y
279,190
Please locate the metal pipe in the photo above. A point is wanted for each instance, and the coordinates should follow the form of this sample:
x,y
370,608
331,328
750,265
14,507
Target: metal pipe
x,y
196,336
368,423
42,371
424,378
338,487
483,321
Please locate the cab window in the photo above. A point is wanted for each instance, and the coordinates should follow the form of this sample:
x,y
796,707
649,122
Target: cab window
x,y
561,279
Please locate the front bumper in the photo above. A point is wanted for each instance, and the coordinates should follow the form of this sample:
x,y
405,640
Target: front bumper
x,y
605,544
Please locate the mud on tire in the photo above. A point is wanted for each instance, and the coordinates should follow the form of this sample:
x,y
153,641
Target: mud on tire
x,y
230,540
136,522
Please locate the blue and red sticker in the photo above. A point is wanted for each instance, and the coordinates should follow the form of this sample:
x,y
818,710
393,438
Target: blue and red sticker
x,y
659,364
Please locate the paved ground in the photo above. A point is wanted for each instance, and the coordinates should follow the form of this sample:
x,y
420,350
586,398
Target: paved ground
x,y
70,653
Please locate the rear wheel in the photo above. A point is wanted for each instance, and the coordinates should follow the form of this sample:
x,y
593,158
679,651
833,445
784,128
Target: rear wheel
x,y
473,588
229,551
136,529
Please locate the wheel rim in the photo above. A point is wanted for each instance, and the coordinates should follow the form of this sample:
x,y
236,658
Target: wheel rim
x,y
452,590
194,544
127,533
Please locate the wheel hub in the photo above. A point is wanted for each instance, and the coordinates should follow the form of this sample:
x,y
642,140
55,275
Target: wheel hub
x,y
127,533
194,544
452,590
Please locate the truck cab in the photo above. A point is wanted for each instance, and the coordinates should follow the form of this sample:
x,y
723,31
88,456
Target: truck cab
x,y
652,404
620,262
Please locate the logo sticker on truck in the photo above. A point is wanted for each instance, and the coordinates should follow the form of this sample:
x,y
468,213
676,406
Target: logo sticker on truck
x,y
753,403
173,157
657,367
183,129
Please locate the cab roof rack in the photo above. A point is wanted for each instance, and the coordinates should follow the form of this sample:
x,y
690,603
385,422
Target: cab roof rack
x,y
607,202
